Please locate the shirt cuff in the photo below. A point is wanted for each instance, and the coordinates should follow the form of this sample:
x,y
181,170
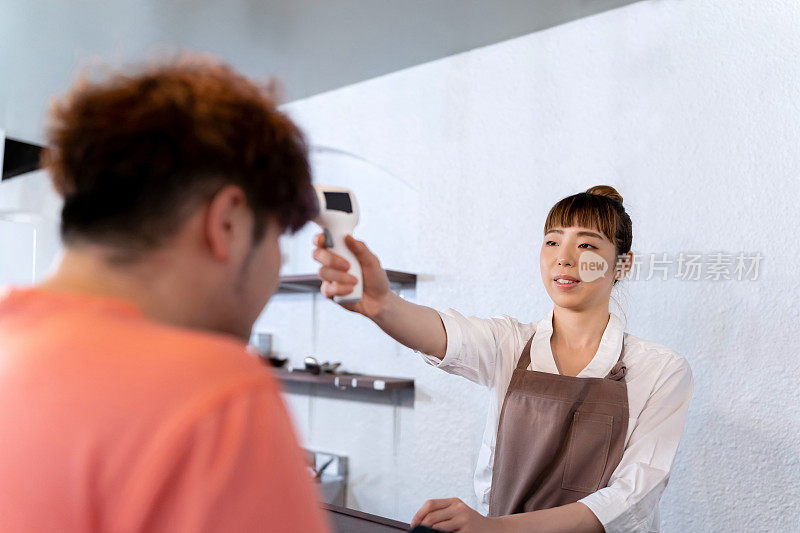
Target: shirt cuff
x,y
453,331
612,511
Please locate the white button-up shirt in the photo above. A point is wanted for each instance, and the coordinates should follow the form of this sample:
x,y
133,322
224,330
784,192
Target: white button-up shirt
x,y
659,381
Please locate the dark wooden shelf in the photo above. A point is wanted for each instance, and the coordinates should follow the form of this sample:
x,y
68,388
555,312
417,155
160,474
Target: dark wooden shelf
x,y
312,283
345,381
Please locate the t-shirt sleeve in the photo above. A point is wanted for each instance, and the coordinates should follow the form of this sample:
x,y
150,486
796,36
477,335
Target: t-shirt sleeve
x,y
231,464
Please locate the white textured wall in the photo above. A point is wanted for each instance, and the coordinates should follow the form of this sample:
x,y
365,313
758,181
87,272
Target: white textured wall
x,y
692,110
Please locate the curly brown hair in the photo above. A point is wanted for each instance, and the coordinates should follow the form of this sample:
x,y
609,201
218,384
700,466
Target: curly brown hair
x,y
134,154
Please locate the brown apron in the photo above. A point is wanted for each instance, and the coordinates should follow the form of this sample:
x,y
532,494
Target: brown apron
x,y
559,437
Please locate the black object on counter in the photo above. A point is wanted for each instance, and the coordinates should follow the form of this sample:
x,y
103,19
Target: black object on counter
x,y
315,367
277,362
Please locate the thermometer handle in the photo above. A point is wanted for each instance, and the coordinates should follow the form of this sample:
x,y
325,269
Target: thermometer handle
x,y
340,248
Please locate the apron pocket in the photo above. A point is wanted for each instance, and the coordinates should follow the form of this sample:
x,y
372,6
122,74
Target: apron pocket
x,y
587,453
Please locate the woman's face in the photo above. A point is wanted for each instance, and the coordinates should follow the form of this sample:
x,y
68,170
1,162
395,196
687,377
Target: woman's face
x,y
586,260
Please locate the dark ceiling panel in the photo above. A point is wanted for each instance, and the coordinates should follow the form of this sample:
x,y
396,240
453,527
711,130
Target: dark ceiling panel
x,y
19,157
313,46
319,45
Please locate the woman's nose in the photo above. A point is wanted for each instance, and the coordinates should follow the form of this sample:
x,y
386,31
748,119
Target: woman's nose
x,y
566,260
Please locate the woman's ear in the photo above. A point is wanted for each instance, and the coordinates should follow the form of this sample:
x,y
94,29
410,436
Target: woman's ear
x,y
623,265
226,222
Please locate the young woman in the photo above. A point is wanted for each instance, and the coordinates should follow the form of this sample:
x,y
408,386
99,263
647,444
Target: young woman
x,y
584,419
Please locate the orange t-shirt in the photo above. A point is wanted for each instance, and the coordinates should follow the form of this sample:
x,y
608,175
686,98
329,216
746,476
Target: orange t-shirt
x,y
112,422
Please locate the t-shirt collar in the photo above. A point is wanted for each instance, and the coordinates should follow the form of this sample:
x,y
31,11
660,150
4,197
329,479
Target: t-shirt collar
x,y
36,296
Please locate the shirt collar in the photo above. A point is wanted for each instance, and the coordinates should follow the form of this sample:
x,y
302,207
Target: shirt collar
x,y
601,364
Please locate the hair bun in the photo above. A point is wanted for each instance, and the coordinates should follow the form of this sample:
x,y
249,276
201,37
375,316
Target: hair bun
x,y
605,190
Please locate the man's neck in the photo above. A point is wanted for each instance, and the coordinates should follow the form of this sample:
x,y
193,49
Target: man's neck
x,y
152,284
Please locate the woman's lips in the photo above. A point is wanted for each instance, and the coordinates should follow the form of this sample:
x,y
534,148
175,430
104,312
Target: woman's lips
x,y
566,286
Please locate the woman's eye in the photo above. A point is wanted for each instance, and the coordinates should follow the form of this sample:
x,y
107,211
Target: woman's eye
x,y
548,243
587,244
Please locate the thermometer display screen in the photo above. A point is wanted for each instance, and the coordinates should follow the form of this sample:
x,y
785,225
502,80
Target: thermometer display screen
x,y
338,201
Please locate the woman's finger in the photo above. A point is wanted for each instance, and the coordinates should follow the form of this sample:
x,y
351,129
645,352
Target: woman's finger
x,y
454,524
440,515
330,289
339,276
330,259
428,507
327,289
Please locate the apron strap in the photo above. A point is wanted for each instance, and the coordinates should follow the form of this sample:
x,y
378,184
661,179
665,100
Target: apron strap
x,y
619,370
525,359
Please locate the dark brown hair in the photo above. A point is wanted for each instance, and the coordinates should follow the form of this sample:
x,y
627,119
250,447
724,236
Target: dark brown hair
x,y
600,207
134,154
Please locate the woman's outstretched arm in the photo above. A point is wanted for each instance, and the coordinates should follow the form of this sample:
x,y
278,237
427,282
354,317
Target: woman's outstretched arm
x,y
416,326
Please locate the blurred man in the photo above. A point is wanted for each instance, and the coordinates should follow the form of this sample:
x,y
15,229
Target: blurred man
x,y
128,401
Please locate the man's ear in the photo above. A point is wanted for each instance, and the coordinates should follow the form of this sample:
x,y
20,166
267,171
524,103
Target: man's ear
x,y
226,221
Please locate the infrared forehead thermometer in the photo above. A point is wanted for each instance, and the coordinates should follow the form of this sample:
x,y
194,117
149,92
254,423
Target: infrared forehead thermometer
x,y
338,216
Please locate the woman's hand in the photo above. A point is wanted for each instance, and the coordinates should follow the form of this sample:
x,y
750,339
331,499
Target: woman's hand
x,y
452,514
337,282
